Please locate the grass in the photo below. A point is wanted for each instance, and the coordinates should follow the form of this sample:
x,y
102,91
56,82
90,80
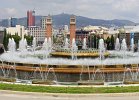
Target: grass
x,y
72,90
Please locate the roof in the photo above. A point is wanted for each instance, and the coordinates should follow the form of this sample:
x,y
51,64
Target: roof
x,y
135,29
96,29
112,30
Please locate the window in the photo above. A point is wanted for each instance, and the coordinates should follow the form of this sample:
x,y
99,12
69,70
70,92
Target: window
x,y
48,20
72,20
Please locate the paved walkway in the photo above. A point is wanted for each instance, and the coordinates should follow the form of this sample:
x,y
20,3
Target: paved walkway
x,y
8,95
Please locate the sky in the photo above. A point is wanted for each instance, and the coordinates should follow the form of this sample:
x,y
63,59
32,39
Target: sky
x,y
97,9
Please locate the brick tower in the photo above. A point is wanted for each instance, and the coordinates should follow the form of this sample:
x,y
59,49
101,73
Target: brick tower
x,y
49,27
30,18
72,28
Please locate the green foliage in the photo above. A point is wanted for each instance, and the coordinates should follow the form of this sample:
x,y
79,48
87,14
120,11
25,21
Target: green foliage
x,y
29,39
112,42
54,39
95,38
16,38
5,40
108,40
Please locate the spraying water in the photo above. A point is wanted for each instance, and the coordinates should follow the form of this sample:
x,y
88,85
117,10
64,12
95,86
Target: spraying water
x,y
11,45
117,45
23,45
101,49
66,46
34,44
132,45
49,45
45,47
124,47
74,49
84,44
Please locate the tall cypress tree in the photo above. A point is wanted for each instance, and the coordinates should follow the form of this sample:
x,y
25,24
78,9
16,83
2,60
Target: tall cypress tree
x,y
29,39
92,44
112,42
95,41
108,43
98,37
5,40
16,38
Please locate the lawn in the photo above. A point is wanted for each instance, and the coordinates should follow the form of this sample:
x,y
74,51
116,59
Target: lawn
x,y
72,90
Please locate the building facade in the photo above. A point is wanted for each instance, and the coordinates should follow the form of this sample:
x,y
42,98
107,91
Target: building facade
x,y
128,32
43,22
13,22
37,32
1,34
20,30
30,18
80,35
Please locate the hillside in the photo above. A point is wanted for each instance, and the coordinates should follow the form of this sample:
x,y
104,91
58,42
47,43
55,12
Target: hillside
x,y
63,19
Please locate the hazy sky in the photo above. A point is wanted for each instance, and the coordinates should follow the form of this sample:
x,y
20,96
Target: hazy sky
x,y
98,9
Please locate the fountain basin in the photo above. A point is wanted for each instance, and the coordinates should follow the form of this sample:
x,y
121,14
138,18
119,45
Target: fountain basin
x,y
114,83
90,82
7,79
67,74
78,54
131,82
44,82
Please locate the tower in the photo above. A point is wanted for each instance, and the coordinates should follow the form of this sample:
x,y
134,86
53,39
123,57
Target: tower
x,y
72,28
13,22
49,27
30,18
43,22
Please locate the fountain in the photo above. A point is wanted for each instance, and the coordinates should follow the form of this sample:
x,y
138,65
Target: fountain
x,y
132,45
117,45
74,49
49,45
128,75
66,46
53,72
11,45
68,64
124,48
84,44
84,68
45,48
34,44
40,75
23,45
101,49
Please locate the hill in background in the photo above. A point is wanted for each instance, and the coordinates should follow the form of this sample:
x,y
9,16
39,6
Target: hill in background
x,y
63,19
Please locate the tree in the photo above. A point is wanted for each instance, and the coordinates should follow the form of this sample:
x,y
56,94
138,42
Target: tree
x,y
5,40
16,38
108,43
29,39
112,42
95,41
89,41
92,44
